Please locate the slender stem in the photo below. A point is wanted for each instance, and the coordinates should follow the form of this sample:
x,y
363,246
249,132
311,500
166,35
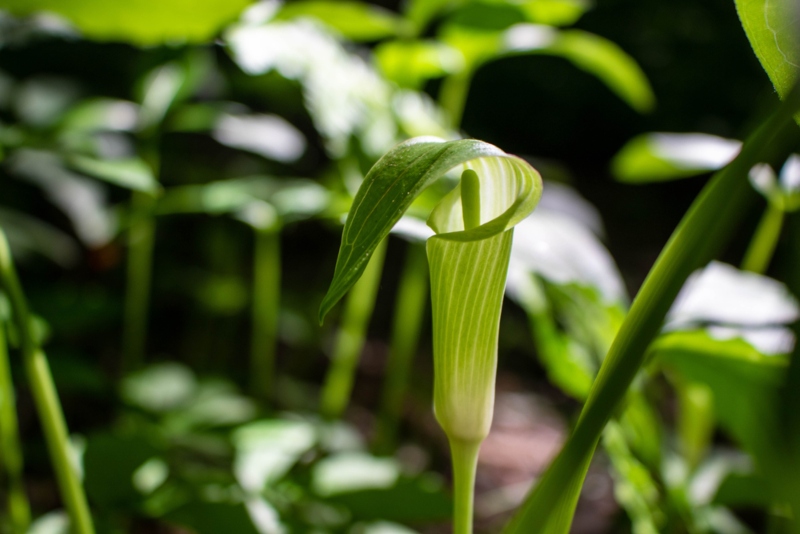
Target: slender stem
x,y
45,399
19,510
408,316
765,239
350,339
465,464
141,239
266,305
709,224
453,95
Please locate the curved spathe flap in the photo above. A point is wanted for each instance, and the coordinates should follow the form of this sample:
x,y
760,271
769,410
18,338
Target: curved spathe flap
x,y
510,188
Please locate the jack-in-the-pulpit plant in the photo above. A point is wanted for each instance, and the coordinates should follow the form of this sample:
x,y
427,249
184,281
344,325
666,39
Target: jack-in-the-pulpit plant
x,y
468,258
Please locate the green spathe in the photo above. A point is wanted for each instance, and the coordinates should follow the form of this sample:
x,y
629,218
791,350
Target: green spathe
x,y
467,284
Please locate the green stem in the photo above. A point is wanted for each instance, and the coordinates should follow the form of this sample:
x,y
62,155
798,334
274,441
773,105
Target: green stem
x,y
465,464
266,305
408,316
453,96
350,339
141,239
19,510
762,247
45,399
708,225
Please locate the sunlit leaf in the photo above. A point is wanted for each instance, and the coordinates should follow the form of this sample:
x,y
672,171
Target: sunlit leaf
x,y
160,388
131,173
141,22
773,26
411,63
554,12
266,135
266,450
666,156
102,114
358,21
511,188
353,471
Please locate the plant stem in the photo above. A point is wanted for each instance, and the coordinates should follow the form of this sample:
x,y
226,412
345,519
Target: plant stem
x,y
141,239
19,510
408,316
266,306
470,199
708,224
465,464
45,399
453,95
762,247
350,339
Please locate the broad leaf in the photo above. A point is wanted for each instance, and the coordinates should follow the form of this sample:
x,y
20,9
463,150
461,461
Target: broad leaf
x,y
128,173
773,26
140,22
656,157
510,188
358,21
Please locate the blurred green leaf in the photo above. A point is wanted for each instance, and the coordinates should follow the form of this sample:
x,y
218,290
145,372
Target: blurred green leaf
x,y
656,157
357,21
140,22
28,235
102,114
352,471
742,380
110,464
205,517
160,388
421,12
411,63
409,500
554,12
131,173
744,490
773,26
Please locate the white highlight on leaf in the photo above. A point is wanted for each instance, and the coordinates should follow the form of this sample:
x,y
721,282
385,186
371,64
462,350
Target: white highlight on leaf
x,y
267,135
694,151
353,471
522,37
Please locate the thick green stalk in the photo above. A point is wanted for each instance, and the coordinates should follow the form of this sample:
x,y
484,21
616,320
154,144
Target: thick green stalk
x,y
706,227
465,464
19,510
350,339
408,316
762,246
141,239
45,399
266,305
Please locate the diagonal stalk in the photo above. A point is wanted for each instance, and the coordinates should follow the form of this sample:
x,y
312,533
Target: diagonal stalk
x,y
45,399
708,224
350,338
408,316
266,305
762,247
19,510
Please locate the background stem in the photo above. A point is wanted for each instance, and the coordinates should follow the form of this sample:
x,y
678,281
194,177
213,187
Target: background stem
x,y
266,306
453,96
762,247
465,464
408,316
46,400
350,338
141,239
19,510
